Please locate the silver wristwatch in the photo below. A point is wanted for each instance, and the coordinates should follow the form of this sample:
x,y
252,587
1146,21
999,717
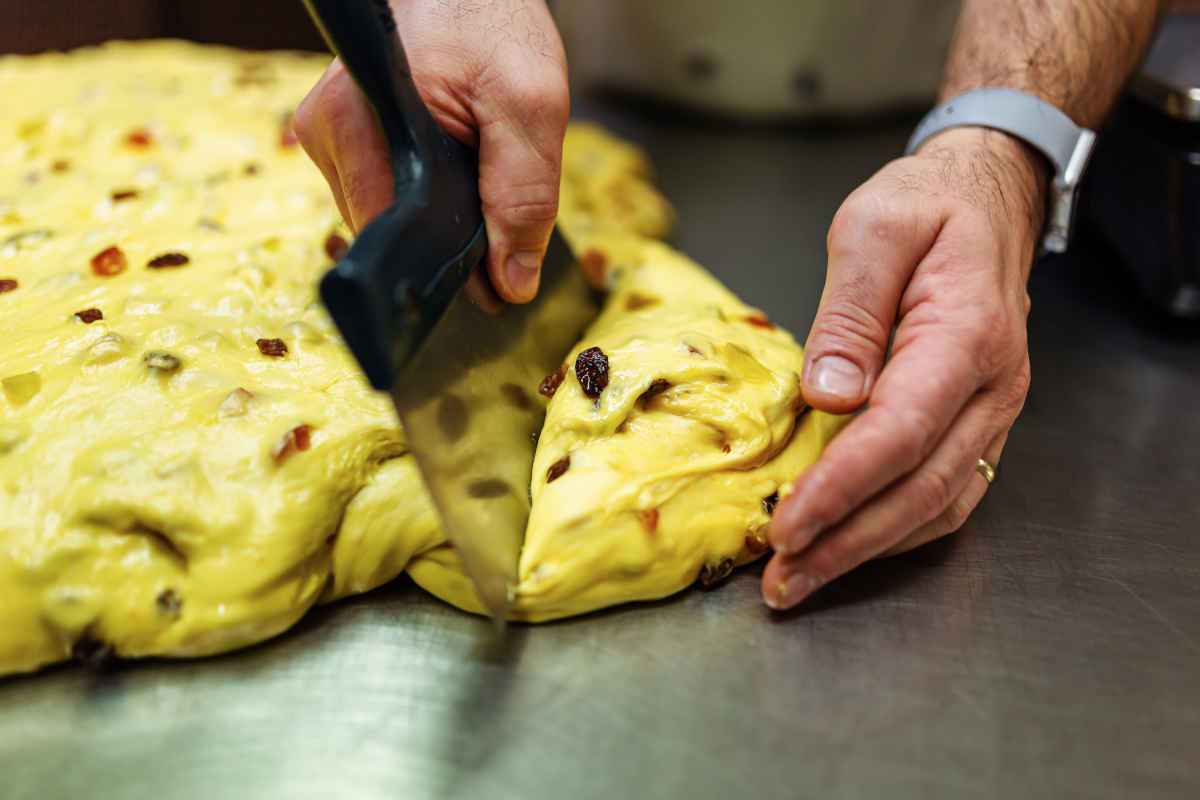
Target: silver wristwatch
x,y
1037,123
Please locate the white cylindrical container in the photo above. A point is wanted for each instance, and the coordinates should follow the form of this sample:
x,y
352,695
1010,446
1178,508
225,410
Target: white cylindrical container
x,y
763,58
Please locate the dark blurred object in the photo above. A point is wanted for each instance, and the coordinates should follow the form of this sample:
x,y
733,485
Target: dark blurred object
x,y
1143,191
30,26
260,25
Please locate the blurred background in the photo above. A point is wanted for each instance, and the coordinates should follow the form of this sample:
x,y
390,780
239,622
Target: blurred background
x,y
1047,651
810,65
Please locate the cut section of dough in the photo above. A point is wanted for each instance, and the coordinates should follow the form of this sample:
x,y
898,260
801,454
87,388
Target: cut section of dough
x,y
669,475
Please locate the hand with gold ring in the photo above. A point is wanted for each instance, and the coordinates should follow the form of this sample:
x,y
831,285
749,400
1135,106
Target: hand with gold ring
x,y
940,246
920,246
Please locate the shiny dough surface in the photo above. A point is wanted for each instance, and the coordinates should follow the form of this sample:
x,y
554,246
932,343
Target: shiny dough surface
x,y
189,458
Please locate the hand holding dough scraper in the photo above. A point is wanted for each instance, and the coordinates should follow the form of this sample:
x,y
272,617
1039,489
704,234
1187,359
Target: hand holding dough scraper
x,y
412,300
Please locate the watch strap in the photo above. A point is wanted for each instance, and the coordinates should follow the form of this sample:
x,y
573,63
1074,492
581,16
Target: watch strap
x,y
1036,122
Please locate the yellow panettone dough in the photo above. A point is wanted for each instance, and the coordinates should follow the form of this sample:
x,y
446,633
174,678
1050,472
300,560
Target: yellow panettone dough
x,y
668,476
190,458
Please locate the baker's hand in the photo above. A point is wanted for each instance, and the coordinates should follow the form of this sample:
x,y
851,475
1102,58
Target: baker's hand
x,y
940,245
494,76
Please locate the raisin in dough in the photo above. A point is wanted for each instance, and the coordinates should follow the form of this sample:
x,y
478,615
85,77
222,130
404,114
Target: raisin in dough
x,y
668,476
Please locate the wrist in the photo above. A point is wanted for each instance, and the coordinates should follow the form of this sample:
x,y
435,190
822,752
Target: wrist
x,y
1019,173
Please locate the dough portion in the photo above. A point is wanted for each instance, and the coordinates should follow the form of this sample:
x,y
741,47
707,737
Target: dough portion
x,y
205,500
156,494
669,475
190,458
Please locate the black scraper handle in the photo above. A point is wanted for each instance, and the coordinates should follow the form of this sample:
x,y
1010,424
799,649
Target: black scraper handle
x,y
405,267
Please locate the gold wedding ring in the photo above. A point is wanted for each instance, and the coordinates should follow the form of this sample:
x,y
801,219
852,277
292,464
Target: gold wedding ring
x,y
986,470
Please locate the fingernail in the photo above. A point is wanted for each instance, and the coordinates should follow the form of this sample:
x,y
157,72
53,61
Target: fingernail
x,y
837,376
790,592
521,270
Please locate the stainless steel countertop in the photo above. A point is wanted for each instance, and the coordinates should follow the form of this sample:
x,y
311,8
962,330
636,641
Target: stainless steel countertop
x,y
1051,649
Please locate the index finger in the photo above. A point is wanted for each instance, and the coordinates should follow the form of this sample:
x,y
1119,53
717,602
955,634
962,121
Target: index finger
x,y
919,393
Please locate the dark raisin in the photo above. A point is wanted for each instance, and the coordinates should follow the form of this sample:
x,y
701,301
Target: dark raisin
x,y
452,417
654,390
712,574
276,348
756,545
558,469
551,382
93,653
89,315
769,502
108,262
636,302
517,396
8,285
251,169
335,247
487,489
296,440
60,166
123,194
167,260
591,369
139,138
302,435
759,321
169,603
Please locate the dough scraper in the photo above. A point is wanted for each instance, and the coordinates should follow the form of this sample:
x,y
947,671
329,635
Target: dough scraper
x,y
413,302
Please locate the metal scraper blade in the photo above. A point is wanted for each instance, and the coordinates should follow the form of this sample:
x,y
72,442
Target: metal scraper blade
x,y
471,410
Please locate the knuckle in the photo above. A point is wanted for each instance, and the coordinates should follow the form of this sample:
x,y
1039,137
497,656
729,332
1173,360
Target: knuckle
x,y
932,494
304,120
848,326
980,340
833,501
867,216
332,101
916,431
540,95
1014,395
844,224
533,204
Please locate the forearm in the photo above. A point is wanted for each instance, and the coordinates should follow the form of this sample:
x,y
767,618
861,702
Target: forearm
x,y
1075,54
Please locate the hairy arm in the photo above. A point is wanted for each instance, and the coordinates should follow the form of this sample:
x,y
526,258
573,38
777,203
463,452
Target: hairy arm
x,y
1075,54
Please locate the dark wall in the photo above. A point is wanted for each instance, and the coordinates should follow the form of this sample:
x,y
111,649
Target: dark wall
x,y
29,26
